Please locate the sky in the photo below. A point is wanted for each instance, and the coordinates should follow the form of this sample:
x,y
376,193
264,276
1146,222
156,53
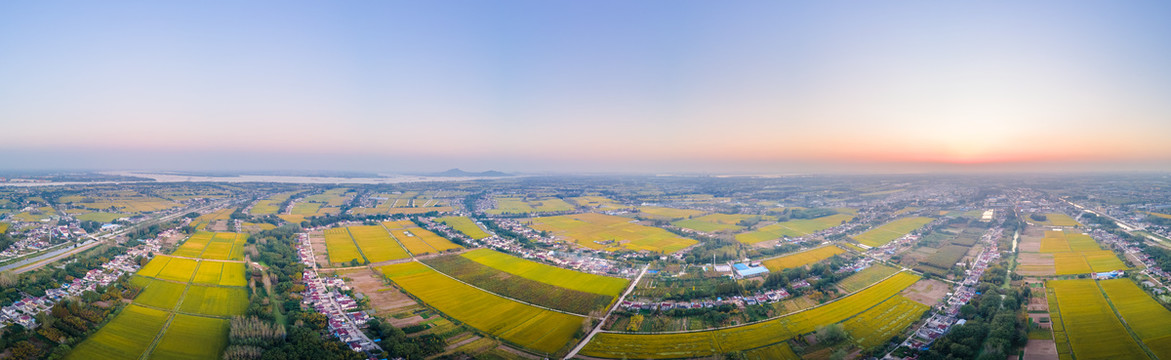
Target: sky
x,y
586,86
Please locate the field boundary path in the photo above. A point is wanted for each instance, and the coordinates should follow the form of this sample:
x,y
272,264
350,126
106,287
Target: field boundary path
x,y
617,303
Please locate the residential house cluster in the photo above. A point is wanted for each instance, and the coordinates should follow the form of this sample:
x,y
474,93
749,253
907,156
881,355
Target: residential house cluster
x,y
948,315
764,297
40,238
324,295
24,311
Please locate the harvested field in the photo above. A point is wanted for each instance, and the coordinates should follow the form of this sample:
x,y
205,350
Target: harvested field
x,y
927,292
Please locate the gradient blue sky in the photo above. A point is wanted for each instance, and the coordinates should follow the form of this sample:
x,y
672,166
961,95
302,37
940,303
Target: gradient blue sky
x,y
586,85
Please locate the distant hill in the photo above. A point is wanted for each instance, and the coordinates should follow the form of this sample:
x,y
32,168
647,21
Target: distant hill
x,y
461,173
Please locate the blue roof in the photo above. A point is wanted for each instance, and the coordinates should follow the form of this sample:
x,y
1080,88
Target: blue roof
x,y
751,271
740,267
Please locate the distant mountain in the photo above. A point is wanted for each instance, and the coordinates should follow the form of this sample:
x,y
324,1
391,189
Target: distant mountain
x,y
461,173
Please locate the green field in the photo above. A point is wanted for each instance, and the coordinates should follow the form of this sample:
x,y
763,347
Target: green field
x,y
192,338
716,222
340,246
1149,320
527,326
464,225
515,205
159,293
1089,323
1057,219
611,233
802,258
665,213
892,230
745,337
598,202
549,274
867,276
215,301
125,337
103,217
793,228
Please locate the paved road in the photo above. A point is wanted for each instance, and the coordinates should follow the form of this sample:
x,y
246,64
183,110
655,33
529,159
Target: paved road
x,y
617,303
101,240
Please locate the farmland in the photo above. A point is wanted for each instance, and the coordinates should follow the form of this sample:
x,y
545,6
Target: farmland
x,y
745,337
549,274
892,230
376,243
665,213
802,258
1058,219
880,323
527,326
103,217
421,241
1091,327
598,202
517,287
515,205
1149,320
867,276
177,269
607,232
1076,253
194,245
225,246
192,337
215,300
341,247
793,228
716,222
126,337
271,205
202,222
159,293
464,225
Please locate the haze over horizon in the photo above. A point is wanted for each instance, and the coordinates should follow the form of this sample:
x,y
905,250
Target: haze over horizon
x,y
600,86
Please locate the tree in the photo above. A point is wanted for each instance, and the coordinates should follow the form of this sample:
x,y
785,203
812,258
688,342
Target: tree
x,y
831,334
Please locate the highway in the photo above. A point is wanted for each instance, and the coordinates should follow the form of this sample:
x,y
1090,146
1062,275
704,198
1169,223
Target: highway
x,y
101,239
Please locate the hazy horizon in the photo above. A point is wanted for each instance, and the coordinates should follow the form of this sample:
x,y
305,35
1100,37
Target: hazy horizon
x,y
606,86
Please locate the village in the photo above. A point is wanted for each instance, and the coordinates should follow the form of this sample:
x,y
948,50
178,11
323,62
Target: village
x,y
24,311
